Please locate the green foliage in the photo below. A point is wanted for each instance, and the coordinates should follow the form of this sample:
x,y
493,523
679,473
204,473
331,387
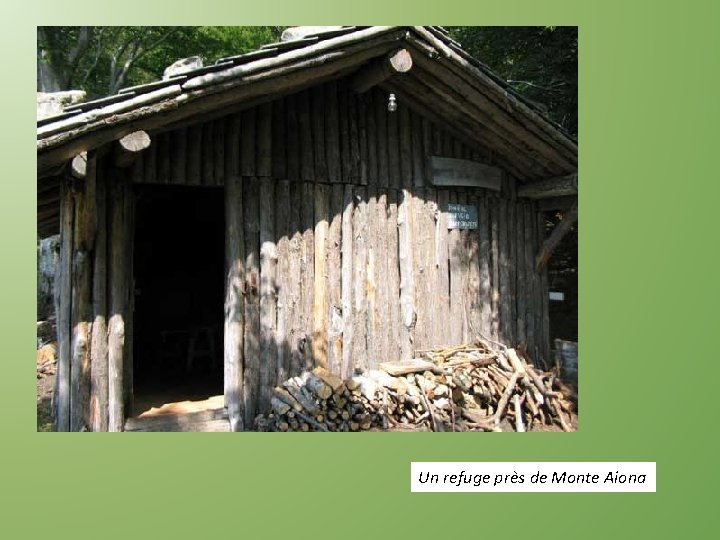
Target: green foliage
x,y
102,59
540,62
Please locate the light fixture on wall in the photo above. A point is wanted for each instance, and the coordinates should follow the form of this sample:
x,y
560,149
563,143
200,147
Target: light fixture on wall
x,y
392,104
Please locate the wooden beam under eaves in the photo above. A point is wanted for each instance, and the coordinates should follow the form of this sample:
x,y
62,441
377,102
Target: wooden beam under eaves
x,y
380,70
552,187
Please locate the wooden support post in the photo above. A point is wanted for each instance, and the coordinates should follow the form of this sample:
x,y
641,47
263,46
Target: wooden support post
x,y
118,301
234,287
99,340
218,152
393,278
485,267
292,126
377,71
268,294
320,300
296,329
251,341
334,280
208,155
129,147
194,155
307,263
307,161
359,225
407,282
83,244
282,288
347,282
64,320
551,242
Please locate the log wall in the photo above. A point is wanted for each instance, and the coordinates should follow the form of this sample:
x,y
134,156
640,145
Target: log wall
x,y
338,251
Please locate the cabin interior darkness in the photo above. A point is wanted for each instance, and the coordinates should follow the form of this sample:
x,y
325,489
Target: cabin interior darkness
x,y
179,294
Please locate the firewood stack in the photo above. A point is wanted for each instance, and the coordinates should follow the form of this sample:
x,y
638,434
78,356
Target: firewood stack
x,y
485,387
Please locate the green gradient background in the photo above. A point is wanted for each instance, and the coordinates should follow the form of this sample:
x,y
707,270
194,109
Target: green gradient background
x,y
648,290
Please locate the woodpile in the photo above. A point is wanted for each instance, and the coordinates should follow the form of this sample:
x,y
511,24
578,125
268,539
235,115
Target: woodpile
x,y
484,387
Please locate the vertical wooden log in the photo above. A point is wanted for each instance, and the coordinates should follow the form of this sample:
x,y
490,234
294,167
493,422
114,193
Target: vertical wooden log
x,y
234,282
99,343
429,211
317,112
293,139
457,303
418,155
279,156
81,313
505,330
448,147
118,301
268,295
393,144
251,341
308,272
371,277
393,278
464,259
543,300
407,282
442,269
307,160
295,280
427,144
344,120
512,271
247,142
485,267
359,225
422,326
194,155
208,154
381,121
64,318
178,163
218,151
437,141
406,157
361,115
529,238
320,296
347,281
128,345
382,322
334,280
372,137
164,155
353,126
284,323
232,149
263,157
494,204
332,133
150,162
473,289
520,291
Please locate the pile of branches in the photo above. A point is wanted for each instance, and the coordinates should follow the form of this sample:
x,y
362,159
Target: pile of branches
x,y
483,387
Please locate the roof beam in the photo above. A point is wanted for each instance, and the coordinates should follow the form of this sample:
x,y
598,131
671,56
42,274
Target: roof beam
x,y
559,186
129,147
380,70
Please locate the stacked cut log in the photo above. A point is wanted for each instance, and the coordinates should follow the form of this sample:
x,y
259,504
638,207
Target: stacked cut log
x,y
484,387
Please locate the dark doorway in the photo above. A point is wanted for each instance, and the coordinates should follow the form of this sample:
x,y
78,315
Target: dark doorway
x,y
179,293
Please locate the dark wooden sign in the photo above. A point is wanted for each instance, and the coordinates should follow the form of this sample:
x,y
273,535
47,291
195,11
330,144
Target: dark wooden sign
x,y
462,216
463,172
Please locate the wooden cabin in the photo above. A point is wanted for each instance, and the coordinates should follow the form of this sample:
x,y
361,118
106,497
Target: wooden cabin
x,y
343,197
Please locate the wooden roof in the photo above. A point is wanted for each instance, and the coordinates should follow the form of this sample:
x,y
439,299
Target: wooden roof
x,y
446,84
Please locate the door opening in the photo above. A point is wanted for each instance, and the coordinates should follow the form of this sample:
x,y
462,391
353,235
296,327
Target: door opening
x,y
179,294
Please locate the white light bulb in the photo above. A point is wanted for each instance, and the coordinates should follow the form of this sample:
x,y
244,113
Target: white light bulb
x,y
392,104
